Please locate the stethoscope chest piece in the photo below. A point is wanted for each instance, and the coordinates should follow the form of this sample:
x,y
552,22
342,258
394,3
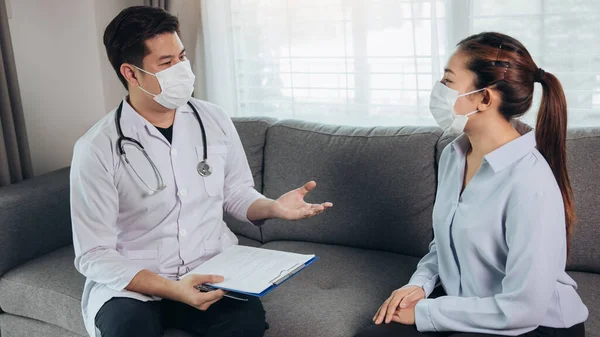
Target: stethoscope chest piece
x,y
204,169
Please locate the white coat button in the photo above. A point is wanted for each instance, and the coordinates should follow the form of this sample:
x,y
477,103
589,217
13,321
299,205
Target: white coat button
x,y
173,152
183,232
182,193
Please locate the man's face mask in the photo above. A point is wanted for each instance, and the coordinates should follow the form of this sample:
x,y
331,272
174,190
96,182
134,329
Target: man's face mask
x,y
176,84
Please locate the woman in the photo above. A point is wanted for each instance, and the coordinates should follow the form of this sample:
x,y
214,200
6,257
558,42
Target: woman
x,y
504,209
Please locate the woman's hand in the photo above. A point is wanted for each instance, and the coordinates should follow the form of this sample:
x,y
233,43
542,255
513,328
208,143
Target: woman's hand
x,y
401,304
405,316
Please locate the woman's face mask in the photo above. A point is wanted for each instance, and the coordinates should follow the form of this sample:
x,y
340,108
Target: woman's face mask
x,y
441,105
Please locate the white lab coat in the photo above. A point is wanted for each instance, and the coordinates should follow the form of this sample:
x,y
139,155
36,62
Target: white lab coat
x,y
119,228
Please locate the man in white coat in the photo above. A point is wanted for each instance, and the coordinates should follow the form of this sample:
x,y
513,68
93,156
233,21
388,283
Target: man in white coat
x,y
149,185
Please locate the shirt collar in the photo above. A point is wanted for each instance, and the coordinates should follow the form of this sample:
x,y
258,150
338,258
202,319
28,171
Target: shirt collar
x,y
503,156
510,152
461,144
130,117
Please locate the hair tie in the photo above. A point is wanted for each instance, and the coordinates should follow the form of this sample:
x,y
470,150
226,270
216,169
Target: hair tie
x,y
540,75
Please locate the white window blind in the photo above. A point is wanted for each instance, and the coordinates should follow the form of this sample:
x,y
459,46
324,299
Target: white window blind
x,y
373,62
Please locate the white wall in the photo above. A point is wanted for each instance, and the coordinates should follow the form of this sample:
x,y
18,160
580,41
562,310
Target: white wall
x,y
65,79
105,11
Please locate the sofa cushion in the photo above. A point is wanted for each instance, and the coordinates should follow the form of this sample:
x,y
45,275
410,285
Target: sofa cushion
x,y
583,162
252,132
49,289
381,181
16,326
589,290
338,295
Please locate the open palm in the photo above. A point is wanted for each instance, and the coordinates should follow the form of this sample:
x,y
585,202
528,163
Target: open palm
x,y
291,206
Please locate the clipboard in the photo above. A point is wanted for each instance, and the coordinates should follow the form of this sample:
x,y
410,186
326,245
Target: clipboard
x,y
252,271
276,282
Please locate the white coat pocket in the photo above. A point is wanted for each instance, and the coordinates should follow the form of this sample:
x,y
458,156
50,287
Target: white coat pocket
x,y
146,258
217,154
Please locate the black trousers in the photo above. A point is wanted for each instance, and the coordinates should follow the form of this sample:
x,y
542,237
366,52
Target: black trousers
x,y
399,330
126,317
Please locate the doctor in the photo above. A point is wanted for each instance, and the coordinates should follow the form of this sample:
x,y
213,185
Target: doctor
x,y
149,185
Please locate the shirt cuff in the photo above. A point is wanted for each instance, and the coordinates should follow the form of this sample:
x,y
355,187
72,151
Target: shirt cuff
x,y
423,317
249,198
125,279
427,283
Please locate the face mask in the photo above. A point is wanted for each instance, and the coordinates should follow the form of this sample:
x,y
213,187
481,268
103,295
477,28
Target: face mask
x,y
176,84
441,104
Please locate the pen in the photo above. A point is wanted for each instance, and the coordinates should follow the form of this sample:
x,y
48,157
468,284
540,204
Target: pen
x,y
205,288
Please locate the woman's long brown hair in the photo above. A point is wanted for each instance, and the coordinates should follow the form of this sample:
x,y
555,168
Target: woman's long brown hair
x,y
500,60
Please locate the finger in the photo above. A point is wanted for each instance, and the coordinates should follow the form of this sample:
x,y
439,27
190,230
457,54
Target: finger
x,y
309,212
394,303
317,208
376,314
208,304
382,311
202,279
309,186
327,205
409,299
213,296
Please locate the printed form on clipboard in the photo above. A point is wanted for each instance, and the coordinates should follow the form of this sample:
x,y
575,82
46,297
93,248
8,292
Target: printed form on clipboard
x,y
253,271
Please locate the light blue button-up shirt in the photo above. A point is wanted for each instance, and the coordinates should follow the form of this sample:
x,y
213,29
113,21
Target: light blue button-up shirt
x,y
499,248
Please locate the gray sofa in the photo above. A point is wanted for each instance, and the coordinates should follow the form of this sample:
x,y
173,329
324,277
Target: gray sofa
x,y
382,181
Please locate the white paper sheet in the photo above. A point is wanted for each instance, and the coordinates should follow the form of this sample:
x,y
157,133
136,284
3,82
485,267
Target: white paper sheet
x,y
250,269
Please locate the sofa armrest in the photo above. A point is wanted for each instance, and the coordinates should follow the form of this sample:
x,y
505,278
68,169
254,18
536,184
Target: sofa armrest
x,y
35,218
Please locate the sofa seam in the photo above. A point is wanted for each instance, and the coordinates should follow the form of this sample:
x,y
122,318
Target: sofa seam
x,y
583,137
351,136
40,321
37,287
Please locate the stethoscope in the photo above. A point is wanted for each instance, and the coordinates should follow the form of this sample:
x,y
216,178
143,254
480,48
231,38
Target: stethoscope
x,y
203,168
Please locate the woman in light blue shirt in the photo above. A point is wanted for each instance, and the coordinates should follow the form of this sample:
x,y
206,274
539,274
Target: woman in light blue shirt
x,y
504,209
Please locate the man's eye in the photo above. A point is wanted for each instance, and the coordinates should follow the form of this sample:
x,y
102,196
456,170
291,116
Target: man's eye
x,y
165,64
183,57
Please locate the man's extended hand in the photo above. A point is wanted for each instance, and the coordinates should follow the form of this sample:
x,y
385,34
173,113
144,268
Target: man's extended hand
x,y
291,206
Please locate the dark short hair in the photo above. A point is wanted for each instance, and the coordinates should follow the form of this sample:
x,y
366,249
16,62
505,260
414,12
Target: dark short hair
x,y
125,36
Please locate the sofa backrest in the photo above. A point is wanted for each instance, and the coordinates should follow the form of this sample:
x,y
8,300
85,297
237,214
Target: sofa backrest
x,y
253,133
35,218
381,180
583,160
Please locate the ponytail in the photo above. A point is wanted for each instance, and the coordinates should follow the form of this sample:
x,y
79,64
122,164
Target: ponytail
x,y
551,139
500,60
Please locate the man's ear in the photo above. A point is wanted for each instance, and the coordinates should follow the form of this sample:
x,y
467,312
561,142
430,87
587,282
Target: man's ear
x,y
128,72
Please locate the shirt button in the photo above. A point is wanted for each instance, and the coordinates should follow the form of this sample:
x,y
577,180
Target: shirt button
x,y
173,152
182,193
183,232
